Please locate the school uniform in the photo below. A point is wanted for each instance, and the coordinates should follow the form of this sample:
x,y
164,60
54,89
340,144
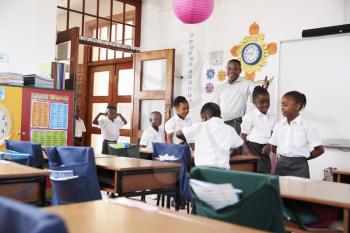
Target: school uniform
x,y
213,140
78,132
150,135
232,99
294,143
109,131
258,127
176,123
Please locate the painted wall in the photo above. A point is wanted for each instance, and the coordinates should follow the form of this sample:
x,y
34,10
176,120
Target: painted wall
x,y
28,34
229,23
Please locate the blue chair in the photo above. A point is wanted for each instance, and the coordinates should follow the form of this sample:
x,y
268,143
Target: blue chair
x,y
82,161
34,149
16,217
183,154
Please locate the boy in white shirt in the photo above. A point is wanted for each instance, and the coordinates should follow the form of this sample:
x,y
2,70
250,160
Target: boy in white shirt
x,y
257,128
178,121
79,129
109,126
153,133
213,138
293,139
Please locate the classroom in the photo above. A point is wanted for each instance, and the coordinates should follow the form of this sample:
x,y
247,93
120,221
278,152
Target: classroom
x,y
174,116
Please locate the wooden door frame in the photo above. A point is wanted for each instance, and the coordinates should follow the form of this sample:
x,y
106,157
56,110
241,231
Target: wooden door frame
x,y
113,98
167,95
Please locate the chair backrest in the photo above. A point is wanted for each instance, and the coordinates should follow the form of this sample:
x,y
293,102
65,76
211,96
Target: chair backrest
x,y
16,217
34,149
132,151
183,153
259,207
70,190
82,161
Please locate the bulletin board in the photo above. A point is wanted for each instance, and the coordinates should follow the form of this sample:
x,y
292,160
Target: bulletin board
x,y
48,116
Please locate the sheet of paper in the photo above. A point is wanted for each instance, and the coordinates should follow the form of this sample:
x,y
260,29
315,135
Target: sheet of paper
x,y
167,157
216,195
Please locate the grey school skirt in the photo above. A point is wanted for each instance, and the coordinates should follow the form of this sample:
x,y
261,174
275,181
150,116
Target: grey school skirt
x,y
292,166
264,163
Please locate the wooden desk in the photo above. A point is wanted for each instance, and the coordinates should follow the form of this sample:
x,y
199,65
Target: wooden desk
x,y
135,177
319,192
22,183
245,163
107,217
342,175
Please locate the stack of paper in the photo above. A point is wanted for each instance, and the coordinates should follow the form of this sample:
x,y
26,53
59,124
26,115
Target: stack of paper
x,y
11,78
216,195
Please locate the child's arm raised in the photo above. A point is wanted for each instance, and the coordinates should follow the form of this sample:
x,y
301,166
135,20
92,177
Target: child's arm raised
x,y
318,150
122,118
95,121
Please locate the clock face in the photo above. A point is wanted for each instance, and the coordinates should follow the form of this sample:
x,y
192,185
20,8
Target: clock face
x,y
4,124
251,53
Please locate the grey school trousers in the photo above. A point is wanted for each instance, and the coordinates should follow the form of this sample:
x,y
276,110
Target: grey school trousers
x,y
236,124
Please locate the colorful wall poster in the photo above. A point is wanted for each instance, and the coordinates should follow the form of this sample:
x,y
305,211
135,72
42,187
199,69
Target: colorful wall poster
x,y
49,137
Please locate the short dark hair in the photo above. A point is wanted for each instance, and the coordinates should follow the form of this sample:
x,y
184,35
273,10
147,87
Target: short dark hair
x,y
258,90
178,100
111,107
298,98
155,112
235,61
211,109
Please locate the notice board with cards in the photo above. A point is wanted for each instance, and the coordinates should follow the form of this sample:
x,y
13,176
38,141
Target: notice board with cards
x,y
47,116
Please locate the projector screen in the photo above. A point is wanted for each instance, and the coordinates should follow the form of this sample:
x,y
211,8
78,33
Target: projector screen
x,y
319,67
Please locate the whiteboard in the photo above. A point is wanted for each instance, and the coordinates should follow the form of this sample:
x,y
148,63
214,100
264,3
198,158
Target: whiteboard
x,y
319,67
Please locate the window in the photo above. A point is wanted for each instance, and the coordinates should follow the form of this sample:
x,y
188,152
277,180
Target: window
x,y
110,20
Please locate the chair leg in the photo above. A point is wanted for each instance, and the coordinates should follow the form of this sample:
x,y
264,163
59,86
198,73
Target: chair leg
x,y
143,198
188,207
158,199
168,202
163,197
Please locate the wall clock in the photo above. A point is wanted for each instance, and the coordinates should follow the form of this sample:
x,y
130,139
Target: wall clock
x,y
253,51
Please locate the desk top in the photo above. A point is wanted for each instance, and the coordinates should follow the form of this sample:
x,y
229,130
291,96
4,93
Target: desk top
x,y
108,217
239,158
315,191
10,170
127,164
342,171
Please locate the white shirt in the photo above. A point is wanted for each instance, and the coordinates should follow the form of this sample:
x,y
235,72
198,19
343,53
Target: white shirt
x,y
213,140
296,139
109,129
232,98
79,128
174,124
258,126
150,135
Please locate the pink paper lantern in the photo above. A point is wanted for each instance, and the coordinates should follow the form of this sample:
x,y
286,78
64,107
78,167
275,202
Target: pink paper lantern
x,y
193,11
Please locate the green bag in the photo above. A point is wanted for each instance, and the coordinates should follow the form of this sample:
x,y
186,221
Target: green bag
x,y
260,206
132,151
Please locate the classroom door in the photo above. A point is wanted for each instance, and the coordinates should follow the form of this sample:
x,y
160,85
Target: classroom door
x,y
109,84
153,88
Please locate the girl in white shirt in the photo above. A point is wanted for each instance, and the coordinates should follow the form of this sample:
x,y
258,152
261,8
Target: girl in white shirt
x,y
294,139
153,133
256,129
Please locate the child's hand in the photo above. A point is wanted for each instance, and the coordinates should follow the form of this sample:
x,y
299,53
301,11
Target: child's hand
x,y
265,150
266,83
